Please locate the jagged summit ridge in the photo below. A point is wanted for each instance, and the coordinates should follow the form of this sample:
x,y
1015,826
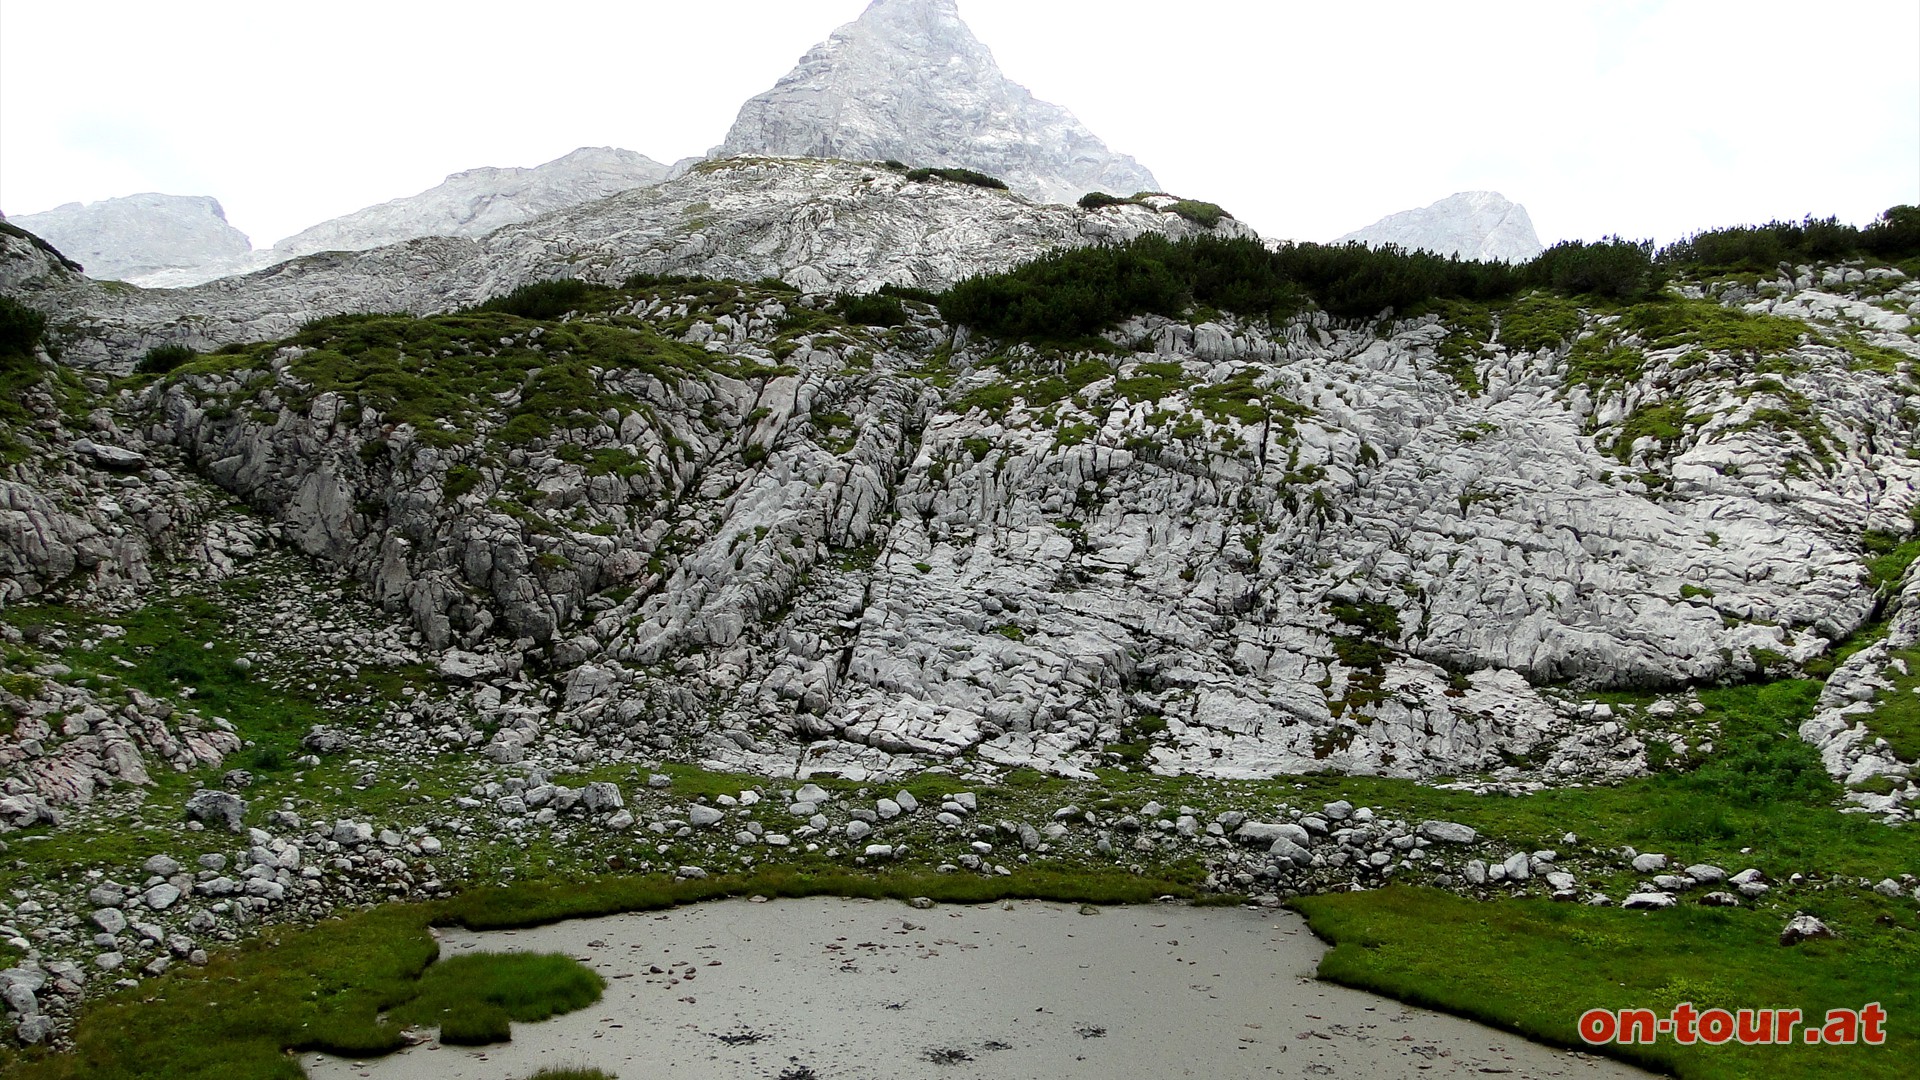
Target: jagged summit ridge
x,y
909,81
136,235
1470,224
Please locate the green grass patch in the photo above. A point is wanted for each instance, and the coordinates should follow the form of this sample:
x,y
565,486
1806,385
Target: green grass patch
x,y
1666,423
1896,712
1672,322
472,997
1888,557
1539,322
541,903
1533,966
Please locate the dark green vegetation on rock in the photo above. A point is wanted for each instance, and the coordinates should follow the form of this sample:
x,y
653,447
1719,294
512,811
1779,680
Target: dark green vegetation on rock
x,y
1075,293
958,176
1894,237
21,330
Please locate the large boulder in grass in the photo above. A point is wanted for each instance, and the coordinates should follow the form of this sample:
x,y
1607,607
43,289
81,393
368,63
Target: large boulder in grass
x,y
217,809
1803,927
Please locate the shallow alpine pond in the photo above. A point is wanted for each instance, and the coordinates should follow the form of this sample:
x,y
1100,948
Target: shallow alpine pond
x,y
839,989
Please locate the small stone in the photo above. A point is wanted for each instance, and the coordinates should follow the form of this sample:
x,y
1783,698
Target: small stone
x,y
161,897
1648,901
888,809
110,920
1647,864
704,816
161,866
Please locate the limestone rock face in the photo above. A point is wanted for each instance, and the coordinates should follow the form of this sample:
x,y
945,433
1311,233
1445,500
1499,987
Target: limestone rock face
x,y
908,81
469,204
1472,224
126,238
885,544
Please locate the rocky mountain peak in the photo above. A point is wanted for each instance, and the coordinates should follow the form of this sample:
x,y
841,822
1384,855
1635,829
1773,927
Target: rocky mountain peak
x,y
909,81
1470,224
142,234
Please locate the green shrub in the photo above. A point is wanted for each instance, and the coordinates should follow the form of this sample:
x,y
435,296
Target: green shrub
x,y
1094,200
871,310
1613,268
1071,295
958,176
542,299
909,292
1200,213
461,479
1765,248
1370,616
164,358
21,328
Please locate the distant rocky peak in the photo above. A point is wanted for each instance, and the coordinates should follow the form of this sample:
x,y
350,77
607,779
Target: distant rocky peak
x,y
909,81
133,235
1470,224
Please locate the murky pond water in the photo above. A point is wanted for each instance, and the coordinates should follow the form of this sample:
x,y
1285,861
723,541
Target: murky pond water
x,y
860,990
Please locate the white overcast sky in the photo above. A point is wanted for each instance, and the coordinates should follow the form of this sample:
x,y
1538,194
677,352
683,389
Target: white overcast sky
x,y
1644,118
